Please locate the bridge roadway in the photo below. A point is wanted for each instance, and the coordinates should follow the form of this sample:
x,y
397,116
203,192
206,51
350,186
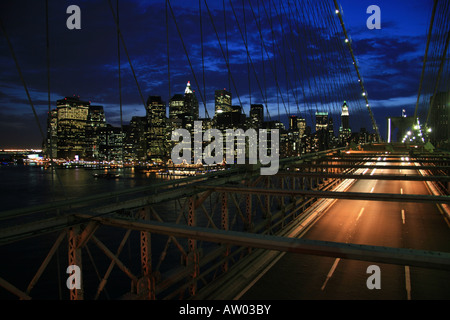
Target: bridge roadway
x,y
381,223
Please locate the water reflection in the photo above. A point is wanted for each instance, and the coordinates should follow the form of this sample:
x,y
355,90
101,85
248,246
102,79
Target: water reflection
x,y
23,186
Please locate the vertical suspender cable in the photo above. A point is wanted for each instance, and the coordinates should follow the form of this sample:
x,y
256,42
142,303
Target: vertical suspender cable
x,y
425,58
248,55
202,49
47,42
168,52
120,85
374,124
118,65
22,79
226,42
444,54
262,56
223,52
187,56
126,52
246,48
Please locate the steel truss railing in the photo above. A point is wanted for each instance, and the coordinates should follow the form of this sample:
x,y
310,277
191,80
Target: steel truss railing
x,y
192,232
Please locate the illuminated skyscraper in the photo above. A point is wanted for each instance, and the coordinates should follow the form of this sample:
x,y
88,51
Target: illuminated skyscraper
x,y
111,141
293,141
321,121
293,124
345,116
256,116
177,112
331,136
96,120
191,102
322,124
301,125
51,142
222,101
137,138
157,122
183,109
72,116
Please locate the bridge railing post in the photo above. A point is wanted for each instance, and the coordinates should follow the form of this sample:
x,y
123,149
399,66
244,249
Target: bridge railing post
x,y
146,284
225,226
193,258
267,206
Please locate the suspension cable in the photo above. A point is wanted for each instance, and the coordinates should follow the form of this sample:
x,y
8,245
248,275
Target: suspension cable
x,y
187,56
126,52
425,57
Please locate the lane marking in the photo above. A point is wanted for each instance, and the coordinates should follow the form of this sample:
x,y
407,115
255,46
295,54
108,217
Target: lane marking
x,y
330,273
403,216
360,213
371,190
373,171
401,190
408,282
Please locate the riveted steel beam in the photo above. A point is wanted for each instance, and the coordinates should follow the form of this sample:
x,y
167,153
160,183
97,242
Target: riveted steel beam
x,y
400,256
334,194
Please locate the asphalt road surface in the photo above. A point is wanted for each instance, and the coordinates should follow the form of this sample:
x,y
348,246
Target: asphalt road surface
x,y
381,223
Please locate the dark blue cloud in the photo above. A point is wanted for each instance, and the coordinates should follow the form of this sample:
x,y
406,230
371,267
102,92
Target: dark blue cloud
x,y
307,59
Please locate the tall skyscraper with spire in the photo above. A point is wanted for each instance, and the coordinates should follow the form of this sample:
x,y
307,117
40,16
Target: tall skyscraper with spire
x,y
345,116
191,102
183,109
344,131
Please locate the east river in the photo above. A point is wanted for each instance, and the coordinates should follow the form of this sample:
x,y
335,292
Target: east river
x,y
23,186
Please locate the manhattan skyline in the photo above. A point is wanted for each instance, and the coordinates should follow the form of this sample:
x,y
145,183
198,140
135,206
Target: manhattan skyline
x,y
85,63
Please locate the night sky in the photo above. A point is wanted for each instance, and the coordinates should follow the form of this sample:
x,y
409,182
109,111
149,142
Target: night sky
x,y
85,62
